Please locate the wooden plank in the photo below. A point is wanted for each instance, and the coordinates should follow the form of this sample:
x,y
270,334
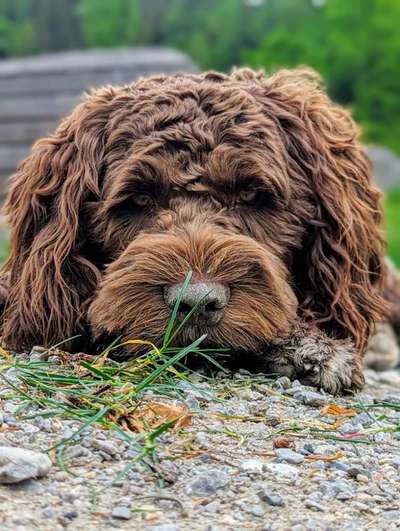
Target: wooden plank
x,y
4,184
77,61
72,83
10,156
38,108
25,133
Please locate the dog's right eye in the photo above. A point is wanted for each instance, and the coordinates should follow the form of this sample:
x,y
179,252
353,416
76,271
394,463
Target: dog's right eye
x,y
142,200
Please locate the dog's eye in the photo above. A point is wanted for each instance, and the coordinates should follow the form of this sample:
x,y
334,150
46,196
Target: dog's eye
x,y
248,196
142,200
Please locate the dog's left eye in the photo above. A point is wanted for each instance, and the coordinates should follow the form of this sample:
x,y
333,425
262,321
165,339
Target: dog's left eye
x,y
247,196
142,200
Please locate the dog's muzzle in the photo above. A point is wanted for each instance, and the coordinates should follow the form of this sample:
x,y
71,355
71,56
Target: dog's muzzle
x,y
207,299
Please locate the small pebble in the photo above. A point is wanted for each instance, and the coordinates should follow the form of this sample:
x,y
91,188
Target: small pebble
x,y
105,446
283,383
122,513
310,398
252,466
272,499
162,527
312,504
282,471
206,484
70,515
289,456
48,513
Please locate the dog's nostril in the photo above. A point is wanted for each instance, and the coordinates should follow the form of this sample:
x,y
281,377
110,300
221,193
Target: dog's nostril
x,y
210,298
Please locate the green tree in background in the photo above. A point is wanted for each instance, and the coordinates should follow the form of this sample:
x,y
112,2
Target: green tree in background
x,y
355,44
356,47
109,24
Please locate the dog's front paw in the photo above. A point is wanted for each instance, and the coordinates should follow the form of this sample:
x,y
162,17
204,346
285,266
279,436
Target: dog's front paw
x,y
315,359
329,364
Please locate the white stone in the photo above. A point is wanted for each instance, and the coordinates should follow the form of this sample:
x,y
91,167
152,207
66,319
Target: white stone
x,y
19,464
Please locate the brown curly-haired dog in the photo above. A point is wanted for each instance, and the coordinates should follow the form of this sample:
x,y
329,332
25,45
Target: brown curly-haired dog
x,y
256,184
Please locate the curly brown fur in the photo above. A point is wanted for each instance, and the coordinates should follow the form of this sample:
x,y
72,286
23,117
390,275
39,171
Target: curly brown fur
x,y
252,181
310,355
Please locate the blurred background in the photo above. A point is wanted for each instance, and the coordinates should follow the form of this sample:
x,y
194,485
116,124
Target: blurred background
x,y
354,44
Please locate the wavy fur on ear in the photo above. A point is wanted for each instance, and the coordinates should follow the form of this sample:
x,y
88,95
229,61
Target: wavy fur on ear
x,y
339,271
51,278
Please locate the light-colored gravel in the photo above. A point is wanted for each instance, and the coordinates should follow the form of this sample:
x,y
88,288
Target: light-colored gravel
x,y
252,459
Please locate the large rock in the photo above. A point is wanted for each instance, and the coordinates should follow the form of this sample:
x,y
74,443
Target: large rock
x,y
19,464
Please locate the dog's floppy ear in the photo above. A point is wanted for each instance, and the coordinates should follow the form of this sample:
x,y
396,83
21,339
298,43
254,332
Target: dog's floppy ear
x,y
338,272
50,276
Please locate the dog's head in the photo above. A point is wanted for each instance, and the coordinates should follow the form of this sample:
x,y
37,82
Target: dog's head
x,y
257,185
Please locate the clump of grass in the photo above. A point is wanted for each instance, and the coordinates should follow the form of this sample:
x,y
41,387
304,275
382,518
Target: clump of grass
x,y
99,390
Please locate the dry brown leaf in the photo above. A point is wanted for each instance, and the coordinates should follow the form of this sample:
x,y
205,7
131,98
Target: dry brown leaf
x,y
332,457
283,442
154,414
338,411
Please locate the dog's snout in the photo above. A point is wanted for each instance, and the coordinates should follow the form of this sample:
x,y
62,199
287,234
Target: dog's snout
x,y
210,298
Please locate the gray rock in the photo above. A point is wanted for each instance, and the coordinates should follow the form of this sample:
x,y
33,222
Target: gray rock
x,y
122,513
310,398
382,437
162,527
207,483
271,498
283,382
12,377
325,449
355,471
212,507
70,515
19,464
256,510
252,466
23,520
350,427
38,354
314,505
28,485
394,399
361,418
48,513
392,515
289,456
339,488
106,446
337,465
396,461
282,471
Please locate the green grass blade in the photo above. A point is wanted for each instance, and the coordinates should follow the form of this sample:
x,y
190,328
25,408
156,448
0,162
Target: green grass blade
x,y
172,318
151,377
101,374
95,418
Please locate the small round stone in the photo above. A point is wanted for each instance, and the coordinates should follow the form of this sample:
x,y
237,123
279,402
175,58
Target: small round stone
x,y
122,513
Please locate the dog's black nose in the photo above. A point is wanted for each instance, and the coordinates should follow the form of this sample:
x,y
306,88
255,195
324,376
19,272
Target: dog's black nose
x,y
211,298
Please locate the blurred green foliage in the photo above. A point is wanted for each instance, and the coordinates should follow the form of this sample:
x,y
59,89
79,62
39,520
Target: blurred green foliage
x,y
354,44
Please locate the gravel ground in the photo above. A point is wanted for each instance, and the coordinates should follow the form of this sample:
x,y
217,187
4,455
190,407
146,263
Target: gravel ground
x,y
252,458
